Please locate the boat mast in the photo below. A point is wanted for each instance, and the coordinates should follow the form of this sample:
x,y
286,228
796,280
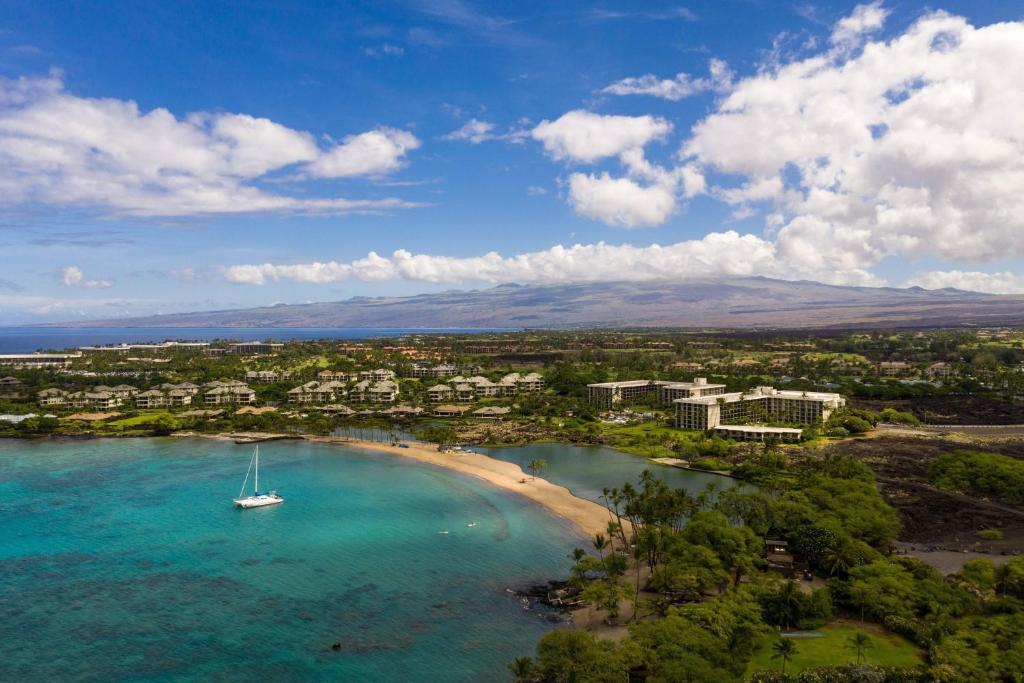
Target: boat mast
x,y
256,486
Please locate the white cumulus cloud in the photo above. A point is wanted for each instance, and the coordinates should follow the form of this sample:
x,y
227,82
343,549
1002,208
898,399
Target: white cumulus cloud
x,y
620,201
586,137
716,254
474,131
974,281
72,276
61,149
907,147
674,89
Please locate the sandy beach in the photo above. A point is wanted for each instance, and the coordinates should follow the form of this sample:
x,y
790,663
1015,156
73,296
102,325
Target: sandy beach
x,y
588,517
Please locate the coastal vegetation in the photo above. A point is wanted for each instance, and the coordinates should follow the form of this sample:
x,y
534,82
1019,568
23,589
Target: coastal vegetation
x,y
704,601
987,474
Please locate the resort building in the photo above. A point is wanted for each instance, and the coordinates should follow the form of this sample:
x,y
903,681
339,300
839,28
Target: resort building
x,y
99,400
255,347
764,404
522,384
317,392
375,392
759,433
670,391
230,392
52,397
10,382
424,370
334,376
377,375
267,376
894,369
38,360
465,392
450,411
154,398
185,387
605,395
439,393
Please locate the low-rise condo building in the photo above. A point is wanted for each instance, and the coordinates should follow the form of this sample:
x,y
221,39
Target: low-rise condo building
x,y
38,360
440,393
316,392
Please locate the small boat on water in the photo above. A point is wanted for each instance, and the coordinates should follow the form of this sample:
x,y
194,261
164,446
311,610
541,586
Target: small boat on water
x,y
257,499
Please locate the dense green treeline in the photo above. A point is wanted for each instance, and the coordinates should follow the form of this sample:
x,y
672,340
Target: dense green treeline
x,y
692,575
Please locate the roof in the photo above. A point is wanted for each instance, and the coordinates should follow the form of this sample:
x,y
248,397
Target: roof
x,y
758,429
492,410
627,383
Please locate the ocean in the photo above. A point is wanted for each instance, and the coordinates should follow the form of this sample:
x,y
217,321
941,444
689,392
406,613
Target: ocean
x,y
124,559
29,339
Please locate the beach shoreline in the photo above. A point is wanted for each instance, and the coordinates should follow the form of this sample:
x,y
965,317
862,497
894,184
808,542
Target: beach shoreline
x,y
586,516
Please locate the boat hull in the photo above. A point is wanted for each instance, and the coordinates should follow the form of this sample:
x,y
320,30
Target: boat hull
x,y
258,501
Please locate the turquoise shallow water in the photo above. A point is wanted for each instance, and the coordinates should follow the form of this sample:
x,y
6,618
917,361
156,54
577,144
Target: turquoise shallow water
x,y
588,470
124,560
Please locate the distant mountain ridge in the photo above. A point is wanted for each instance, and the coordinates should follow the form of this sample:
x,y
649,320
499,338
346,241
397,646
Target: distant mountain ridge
x,y
746,302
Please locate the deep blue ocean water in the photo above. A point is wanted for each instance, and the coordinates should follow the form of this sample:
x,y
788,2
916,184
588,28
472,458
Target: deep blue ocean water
x,y
124,560
29,339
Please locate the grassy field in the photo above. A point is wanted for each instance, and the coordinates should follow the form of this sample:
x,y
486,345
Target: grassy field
x,y
834,649
138,420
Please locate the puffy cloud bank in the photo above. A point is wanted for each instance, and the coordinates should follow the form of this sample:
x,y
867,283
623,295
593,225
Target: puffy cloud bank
x,y
715,254
909,146
62,149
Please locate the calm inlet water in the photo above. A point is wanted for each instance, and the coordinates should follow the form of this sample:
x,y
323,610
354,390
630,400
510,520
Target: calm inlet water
x,y
123,559
588,470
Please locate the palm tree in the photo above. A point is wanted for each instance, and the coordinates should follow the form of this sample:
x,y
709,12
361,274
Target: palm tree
x,y
840,559
789,599
522,669
536,465
600,543
638,554
785,649
860,642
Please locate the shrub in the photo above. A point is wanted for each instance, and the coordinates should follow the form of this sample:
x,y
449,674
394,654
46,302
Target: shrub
x,y
990,534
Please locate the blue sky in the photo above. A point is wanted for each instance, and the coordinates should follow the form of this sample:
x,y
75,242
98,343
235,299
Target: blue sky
x,y
159,157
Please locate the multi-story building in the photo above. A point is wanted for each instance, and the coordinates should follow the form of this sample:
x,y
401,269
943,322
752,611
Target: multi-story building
x,y
52,397
154,398
439,393
317,392
334,375
375,392
605,395
254,347
764,404
377,375
229,393
670,391
38,360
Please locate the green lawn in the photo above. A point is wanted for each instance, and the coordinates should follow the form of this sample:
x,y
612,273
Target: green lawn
x,y
145,418
834,649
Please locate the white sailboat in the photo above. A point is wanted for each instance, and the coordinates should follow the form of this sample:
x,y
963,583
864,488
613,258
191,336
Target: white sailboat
x,y
257,499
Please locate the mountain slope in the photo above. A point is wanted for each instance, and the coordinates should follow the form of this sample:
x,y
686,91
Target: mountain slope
x,y
732,302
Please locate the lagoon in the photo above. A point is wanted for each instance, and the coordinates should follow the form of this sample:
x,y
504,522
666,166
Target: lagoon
x,y
125,559
588,470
